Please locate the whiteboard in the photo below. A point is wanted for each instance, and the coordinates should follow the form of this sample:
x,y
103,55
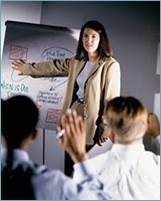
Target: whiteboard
x,y
36,43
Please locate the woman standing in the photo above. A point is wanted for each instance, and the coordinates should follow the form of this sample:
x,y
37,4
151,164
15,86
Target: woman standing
x,y
93,78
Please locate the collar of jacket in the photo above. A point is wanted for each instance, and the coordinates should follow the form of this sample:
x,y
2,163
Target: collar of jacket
x,y
97,65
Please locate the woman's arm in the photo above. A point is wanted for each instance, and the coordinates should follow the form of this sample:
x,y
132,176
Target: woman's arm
x,y
43,69
112,82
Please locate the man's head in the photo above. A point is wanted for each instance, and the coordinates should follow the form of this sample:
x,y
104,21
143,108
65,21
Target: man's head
x,y
19,119
127,118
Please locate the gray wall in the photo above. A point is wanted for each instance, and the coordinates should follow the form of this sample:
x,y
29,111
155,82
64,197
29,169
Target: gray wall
x,y
133,29
19,11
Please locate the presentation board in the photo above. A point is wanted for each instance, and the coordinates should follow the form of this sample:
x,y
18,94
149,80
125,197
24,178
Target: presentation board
x,y
36,43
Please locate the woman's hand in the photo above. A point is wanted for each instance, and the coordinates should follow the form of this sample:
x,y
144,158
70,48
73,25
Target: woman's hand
x,y
74,139
102,137
17,65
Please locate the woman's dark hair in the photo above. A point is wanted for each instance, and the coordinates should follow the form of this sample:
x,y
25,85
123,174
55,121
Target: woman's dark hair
x,y
19,117
104,49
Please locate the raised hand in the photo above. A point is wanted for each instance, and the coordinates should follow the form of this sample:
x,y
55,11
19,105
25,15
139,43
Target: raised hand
x,y
74,139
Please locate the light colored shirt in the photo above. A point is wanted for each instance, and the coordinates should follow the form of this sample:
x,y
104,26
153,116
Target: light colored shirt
x,y
54,185
82,77
107,145
126,171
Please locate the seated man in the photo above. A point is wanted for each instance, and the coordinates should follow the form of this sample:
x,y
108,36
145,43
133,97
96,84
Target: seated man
x,y
151,139
21,178
127,171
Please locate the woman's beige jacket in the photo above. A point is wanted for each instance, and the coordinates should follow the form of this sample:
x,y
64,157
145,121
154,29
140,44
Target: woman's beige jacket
x,y
103,84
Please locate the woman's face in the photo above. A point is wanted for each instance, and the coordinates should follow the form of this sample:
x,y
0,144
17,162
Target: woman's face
x,y
91,39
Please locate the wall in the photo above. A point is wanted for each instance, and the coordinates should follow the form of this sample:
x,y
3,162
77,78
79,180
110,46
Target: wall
x,y
19,11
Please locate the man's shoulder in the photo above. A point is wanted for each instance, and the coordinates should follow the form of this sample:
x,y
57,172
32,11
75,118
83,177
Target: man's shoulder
x,y
43,173
29,169
150,156
40,171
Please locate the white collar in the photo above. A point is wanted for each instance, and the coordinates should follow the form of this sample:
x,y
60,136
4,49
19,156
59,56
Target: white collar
x,y
129,152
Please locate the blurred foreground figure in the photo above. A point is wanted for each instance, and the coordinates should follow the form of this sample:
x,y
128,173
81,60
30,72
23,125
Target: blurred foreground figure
x,y
21,179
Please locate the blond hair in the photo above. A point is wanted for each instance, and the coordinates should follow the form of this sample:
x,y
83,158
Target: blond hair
x,y
127,117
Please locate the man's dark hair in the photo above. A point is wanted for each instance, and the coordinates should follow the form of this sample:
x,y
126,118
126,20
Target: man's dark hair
x,y
19,119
